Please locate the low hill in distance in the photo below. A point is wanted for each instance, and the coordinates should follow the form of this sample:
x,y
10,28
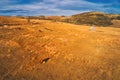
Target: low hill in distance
x,y
9,20
87,18
93,18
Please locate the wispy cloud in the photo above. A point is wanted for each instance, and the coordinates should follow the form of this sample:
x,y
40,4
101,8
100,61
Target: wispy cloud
x,y
53,7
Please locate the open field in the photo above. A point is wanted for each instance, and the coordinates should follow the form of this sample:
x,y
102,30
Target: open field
x,y
59,51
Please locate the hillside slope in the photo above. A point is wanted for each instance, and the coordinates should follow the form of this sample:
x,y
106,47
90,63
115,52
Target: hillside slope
x,y
9,20
59,51
93,18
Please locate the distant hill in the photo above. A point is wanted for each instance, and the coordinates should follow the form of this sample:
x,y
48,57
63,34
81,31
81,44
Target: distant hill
x,y
87,18
95,18
9,20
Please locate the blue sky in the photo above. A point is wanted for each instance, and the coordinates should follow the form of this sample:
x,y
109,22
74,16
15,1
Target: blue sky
x,y
57,7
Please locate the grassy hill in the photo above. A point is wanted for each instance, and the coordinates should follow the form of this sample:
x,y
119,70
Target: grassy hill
x,y
95,18
87,18
59,51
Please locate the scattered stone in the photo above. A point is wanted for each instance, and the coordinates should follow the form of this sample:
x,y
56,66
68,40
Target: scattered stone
x,y
48,29
40,30
45,60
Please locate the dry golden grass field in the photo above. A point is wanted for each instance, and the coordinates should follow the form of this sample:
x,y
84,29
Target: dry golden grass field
x,y
59,51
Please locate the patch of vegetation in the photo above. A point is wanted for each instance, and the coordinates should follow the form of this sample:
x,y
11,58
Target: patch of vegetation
x,y
95,18
99,19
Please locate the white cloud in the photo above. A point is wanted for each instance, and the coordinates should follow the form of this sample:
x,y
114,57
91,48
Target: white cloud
x,y
52,7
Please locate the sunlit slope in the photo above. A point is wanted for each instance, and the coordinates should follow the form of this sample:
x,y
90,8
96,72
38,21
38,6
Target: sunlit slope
x,y
59,51
8,20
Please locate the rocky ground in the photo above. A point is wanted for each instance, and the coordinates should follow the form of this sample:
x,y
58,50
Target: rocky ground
x,y
59,51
